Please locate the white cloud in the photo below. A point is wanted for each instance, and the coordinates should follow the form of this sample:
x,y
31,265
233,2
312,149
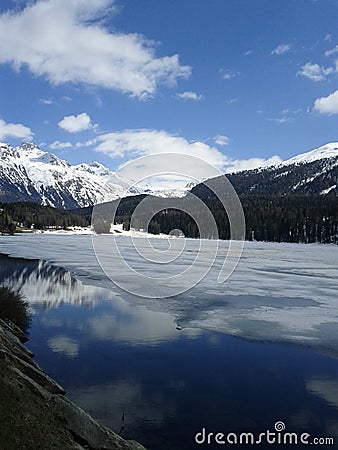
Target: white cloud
x,y
145,142
89,143
221,140
141,327
189,95
65,41
327,105
280,119
74,124
292,111
131,144
326,389
286,115
57,145
328,37
280,49
230,101
252,163
46,101
15,130
228,74
64,345
332,51
314,72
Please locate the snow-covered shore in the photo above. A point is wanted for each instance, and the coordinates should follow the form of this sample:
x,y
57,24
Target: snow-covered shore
x,y
116,230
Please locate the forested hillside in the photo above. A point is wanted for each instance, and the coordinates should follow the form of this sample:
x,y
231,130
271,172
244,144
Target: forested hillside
x,y
276,219
313,178
304,219
23,215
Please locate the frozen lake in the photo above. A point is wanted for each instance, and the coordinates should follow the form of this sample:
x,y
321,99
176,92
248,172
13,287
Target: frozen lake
x,y
118,354
277,292
120,358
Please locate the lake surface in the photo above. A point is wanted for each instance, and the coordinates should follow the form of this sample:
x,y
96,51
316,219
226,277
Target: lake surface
x,y
120,357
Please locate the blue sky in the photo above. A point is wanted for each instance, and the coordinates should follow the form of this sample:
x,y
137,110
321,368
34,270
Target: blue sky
x,y
235,82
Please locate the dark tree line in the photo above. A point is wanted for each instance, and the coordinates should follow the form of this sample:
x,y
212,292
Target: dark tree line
x,y
32,216
277,219
304,219
292,219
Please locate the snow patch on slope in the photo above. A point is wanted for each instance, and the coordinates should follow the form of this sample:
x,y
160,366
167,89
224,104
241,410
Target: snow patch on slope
x,y
326,191
44,176
326,151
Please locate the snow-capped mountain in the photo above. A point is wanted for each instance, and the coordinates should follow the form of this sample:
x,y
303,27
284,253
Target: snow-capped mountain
x,y
324,152
311,173
165,192
30,174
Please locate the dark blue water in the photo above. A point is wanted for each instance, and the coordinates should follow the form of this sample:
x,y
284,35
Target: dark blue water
x,y
121,361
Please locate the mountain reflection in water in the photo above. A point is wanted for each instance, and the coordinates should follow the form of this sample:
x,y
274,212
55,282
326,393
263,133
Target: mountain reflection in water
x,y
45,286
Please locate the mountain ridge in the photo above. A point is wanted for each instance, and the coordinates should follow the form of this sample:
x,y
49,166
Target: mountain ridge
x,y
310,173
30,174
329,150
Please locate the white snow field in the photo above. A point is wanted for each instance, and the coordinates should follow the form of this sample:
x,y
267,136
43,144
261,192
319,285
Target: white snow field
x,y
278,292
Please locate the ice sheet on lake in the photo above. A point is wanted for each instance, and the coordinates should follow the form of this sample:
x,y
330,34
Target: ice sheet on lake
x,y
283,292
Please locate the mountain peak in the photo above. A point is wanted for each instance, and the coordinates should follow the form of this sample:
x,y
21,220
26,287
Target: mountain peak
x,y
28,146
27,150
28,173
329,150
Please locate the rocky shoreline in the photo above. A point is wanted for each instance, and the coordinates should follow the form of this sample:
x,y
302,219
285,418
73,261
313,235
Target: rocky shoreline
x,y
34,411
